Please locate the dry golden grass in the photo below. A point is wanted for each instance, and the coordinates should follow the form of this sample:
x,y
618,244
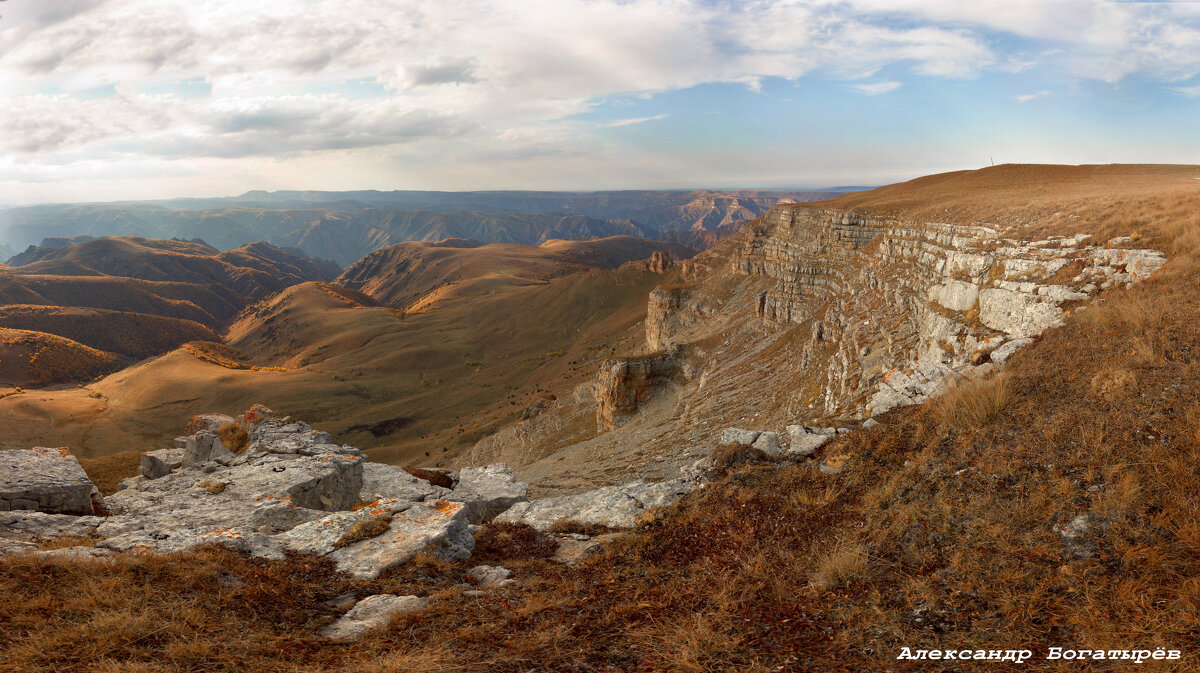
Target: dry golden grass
x,y
106,472
969,405
364,529
233,437
845,563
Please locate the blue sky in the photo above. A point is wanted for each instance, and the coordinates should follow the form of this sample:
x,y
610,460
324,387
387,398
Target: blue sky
x,y
111,100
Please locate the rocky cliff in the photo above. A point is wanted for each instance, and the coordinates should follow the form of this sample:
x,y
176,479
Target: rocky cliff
x,y
887,306
812,317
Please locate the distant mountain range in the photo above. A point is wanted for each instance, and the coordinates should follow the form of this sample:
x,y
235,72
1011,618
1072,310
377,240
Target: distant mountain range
x,y
346,226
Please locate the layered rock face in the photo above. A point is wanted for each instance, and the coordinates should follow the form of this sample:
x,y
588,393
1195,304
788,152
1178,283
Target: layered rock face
x,y
886,311
49,480
622,385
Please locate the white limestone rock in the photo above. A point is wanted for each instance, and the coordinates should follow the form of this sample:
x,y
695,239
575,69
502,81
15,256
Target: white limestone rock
x,y
45,480
955,295
487,491
490,576
382,481
1017,313
804,441
371,613
155,464
30,525
612,506
767,442
1005,351
438,527
739,436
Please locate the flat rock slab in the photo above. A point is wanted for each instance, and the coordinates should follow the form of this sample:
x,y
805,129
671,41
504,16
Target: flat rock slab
x,y
612,506
389,482
45,480
488,491
440,528
371,613
29,526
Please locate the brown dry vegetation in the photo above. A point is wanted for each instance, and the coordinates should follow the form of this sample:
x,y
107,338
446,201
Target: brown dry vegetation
x,y
37,359
106,472
136,335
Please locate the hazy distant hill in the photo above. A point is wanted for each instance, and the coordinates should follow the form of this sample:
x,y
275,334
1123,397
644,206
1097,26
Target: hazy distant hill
x,y
346,226
74,308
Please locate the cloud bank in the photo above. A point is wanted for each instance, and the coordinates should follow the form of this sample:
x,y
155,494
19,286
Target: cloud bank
x,y
96,82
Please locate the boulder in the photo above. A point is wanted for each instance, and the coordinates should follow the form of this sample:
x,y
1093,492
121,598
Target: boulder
x,y
487,491
739,436
265,491
208,422
612,506
155,464
46,480
254,417
439,528
371,613
767,442
804,441
381,481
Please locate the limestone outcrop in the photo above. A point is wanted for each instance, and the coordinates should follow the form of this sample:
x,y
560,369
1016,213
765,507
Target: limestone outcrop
x,y
612,506
623,385
46,480
880,312
370,614
290,488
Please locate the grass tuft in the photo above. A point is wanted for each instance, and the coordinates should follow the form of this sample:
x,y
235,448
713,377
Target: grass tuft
x,y
365,529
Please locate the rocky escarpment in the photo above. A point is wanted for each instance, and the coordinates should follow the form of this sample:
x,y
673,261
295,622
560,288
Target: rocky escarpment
x,y
623,385
888,310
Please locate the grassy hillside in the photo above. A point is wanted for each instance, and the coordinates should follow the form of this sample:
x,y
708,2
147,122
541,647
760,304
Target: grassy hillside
x,y
415,388
134,335
35,359
137,297
403,274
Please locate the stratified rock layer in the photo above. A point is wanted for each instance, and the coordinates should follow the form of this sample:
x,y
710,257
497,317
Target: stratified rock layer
x,y
45,480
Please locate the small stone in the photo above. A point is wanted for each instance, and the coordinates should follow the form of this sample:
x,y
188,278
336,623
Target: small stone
x,y
371,613
490,576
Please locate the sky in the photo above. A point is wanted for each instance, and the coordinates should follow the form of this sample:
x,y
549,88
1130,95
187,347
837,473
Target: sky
x,y
138,99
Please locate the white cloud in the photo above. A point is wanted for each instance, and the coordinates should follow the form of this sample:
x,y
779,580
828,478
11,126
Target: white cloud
x,y
1189,91
635,120
1026,97
876,88
502,78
